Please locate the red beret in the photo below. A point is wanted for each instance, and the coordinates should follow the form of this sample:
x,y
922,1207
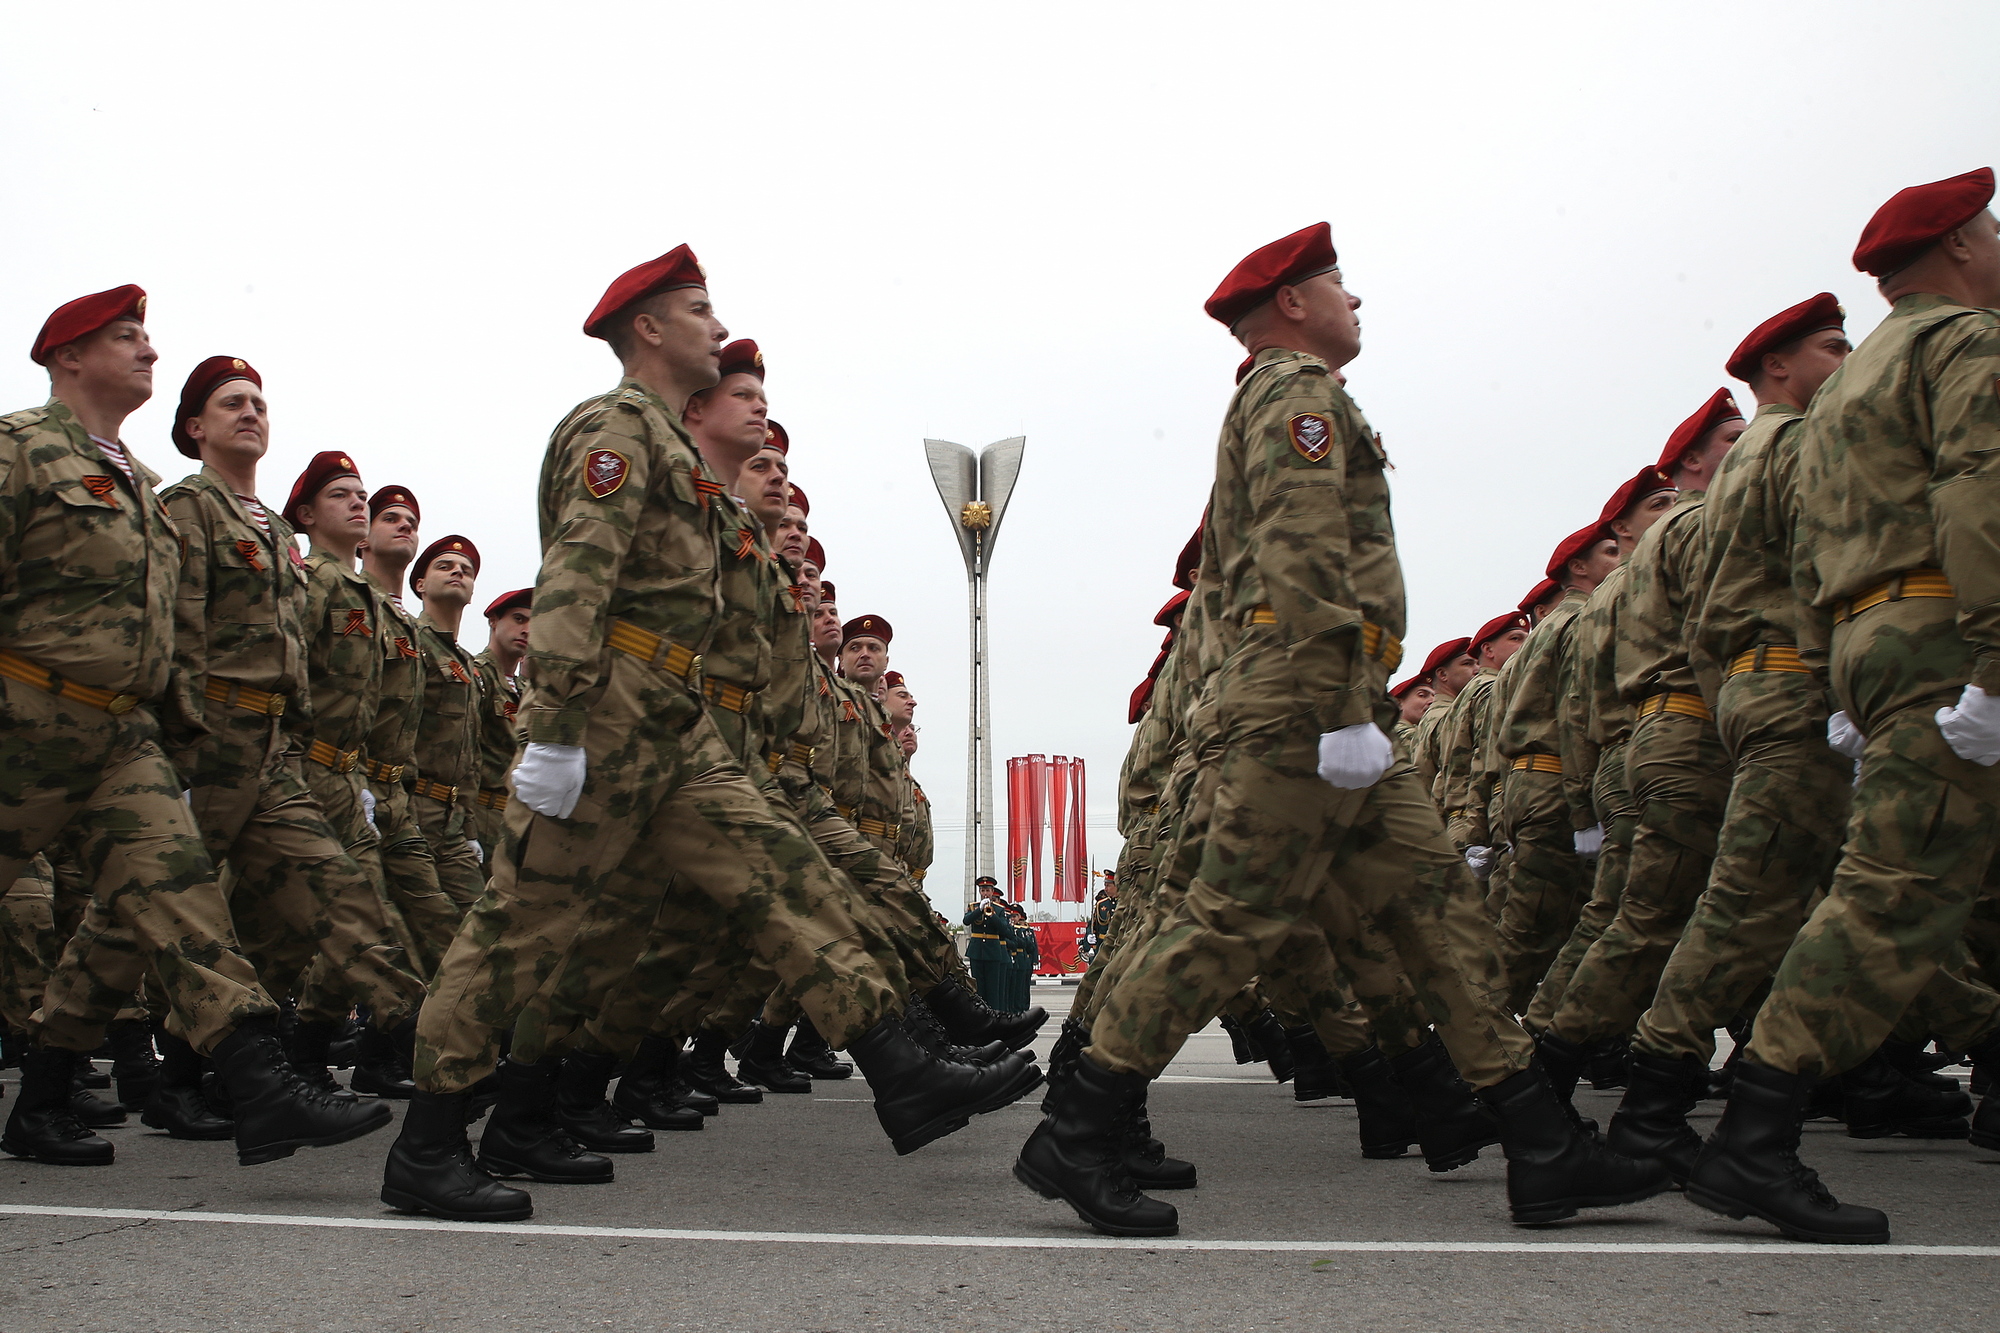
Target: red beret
x,y
866,627
1540,593
1720,407
1399,690
1570,548
1904,227
742,358
1170,614
1645,482
1495,627
392,495
507,601
1821,312
891,679
1142,695
209,376
86,315
449,545
799,501
816,554
323,469
776,437
676,268
1190,558
1448,651
1295,258
827,596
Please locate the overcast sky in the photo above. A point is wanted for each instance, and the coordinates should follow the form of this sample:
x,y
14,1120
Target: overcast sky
x,y
971,225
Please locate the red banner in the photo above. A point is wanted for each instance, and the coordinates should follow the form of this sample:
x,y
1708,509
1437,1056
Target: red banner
x,y
1017,830
1058,942
1079,854
1038,795
1059,825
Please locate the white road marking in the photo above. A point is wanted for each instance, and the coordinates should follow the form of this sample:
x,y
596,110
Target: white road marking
x,y
396,1223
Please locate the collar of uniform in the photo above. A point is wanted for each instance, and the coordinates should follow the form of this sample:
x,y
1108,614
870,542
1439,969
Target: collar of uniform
x,y
1778,410
1272,356
86,447
1919,303
212,479
628,385
429,622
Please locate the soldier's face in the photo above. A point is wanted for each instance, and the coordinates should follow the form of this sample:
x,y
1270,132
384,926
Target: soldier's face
x,y
1813,361
907,738
899,704
732,415
1982,237
826,627
1415,700
792,534
340,510
394,533
683,327
510,631
762,486
864,660
448,580
235,423
1331,318
113,365
809,577
1454,674
1599,560
1633,525
1493,654
1707,456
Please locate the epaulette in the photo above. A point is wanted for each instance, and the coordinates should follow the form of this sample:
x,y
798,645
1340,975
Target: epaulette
x,y
27,416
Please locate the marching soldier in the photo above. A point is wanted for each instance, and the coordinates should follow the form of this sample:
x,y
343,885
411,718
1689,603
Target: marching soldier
x,y
1461,789
1447,670
448,736
1413,697
507,620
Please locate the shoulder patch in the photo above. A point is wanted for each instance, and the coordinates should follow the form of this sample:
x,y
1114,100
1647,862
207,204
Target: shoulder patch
x,y
604,472
1312,436
27,416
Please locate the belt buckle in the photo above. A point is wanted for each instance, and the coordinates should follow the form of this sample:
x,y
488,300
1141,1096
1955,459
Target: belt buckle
x,y
121,704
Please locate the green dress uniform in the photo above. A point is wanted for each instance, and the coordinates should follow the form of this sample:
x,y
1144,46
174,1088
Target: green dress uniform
x,y
1023,953
987,954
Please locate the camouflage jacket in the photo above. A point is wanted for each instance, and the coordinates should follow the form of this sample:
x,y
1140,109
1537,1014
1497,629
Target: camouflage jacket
x,y
240,614
1899,469
1528,722
917,846
499,702
631,523
1460,736
343,653
820,728
853,753
1747,599
1426,745
448,727
399,710
89,561
1303,556
1662,595
750,581
886,790
791,715
1606,717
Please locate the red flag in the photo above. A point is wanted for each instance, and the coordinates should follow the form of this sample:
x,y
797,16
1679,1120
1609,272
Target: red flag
x,y
1059,825
1079,855
1017,822
1038,779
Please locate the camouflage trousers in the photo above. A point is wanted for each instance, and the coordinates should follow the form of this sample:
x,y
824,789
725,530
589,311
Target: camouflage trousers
x,y
1135,861
30,943
1781,834
1179,826
409,874
488,827
1549,885
667,811
446,829
1283,847
102,783
294,891
1679,775
1611,798
1918,855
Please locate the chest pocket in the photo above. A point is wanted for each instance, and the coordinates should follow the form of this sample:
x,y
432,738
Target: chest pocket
x,y
448,689
91,534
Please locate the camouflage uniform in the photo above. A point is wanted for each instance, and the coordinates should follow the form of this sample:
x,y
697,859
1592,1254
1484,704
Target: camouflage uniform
x,y
447,757
1896,499
1424,746
499,702
30,943
1457,790
1309,599
630,593
91,561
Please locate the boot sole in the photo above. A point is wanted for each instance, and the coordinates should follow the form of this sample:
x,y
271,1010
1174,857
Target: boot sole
x,y
1384,1152
1946,1127
1048,1191
952,1121
19,1155
228,1131
271,1152
498,1167
1990,1142
1562,1210
1735,1211
1458,1157
410,1203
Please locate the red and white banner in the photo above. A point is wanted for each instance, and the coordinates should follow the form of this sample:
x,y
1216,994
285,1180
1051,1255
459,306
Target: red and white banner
x,y
1038,795
1045,792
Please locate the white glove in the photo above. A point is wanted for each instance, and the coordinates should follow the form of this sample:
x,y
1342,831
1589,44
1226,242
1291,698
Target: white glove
x,y
368,807
1480,860
1972,729
1355,757
1590,841
549,778
477,850
1844,736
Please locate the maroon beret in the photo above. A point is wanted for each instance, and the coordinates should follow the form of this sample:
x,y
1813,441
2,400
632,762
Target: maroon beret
x,y
891,679
1646,481
1256,279
1397,691
209,376
1570,548
776,437
1190,559
817,555
323,469
866,627
1495,627
86,315
827,596
1142,694
1448,651
507,601
1904,227
1170,614
448,545
798,500
742,358
1821,312
1720,407
1540,593
392,495
675,269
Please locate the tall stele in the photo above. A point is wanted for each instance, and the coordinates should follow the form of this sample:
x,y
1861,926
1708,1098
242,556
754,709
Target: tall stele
x,y
975,488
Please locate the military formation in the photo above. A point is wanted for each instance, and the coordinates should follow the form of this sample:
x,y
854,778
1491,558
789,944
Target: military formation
x,y
1729,767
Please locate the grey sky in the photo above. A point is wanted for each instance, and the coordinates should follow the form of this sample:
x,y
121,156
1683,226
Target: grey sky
x,y
974,225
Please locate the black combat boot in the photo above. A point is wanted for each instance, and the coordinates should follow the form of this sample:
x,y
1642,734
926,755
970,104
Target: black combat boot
x,y
1388,1120
584,1112
919,1097
1078,1154
1315,1073
523,1136
703,1068
652,1091
927,1032
1553,1169
1986,1121
430,1167
812,1056
276,1113
1920,1067
1750,1165
973,1022
1452,1124
1146,1159
1651,1121
1267,1034
135,1069
92,1110
306,1051
1070,1042
1239,1040
42,1127
382,1061
1563,1064
1610,1059
177,1105
763,1065
1879,1102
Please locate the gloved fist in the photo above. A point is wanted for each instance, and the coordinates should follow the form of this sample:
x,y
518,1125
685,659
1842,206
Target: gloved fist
x,y
549,778
1355,757
1972,729
1480,861
1844,736
477,850
1590,841
368,807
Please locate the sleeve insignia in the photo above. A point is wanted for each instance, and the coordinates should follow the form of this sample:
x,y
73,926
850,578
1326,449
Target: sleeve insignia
x,y
604,472
1312,436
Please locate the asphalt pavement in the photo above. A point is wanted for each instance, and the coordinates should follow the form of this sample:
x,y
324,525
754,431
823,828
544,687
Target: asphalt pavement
x,y
797,1215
